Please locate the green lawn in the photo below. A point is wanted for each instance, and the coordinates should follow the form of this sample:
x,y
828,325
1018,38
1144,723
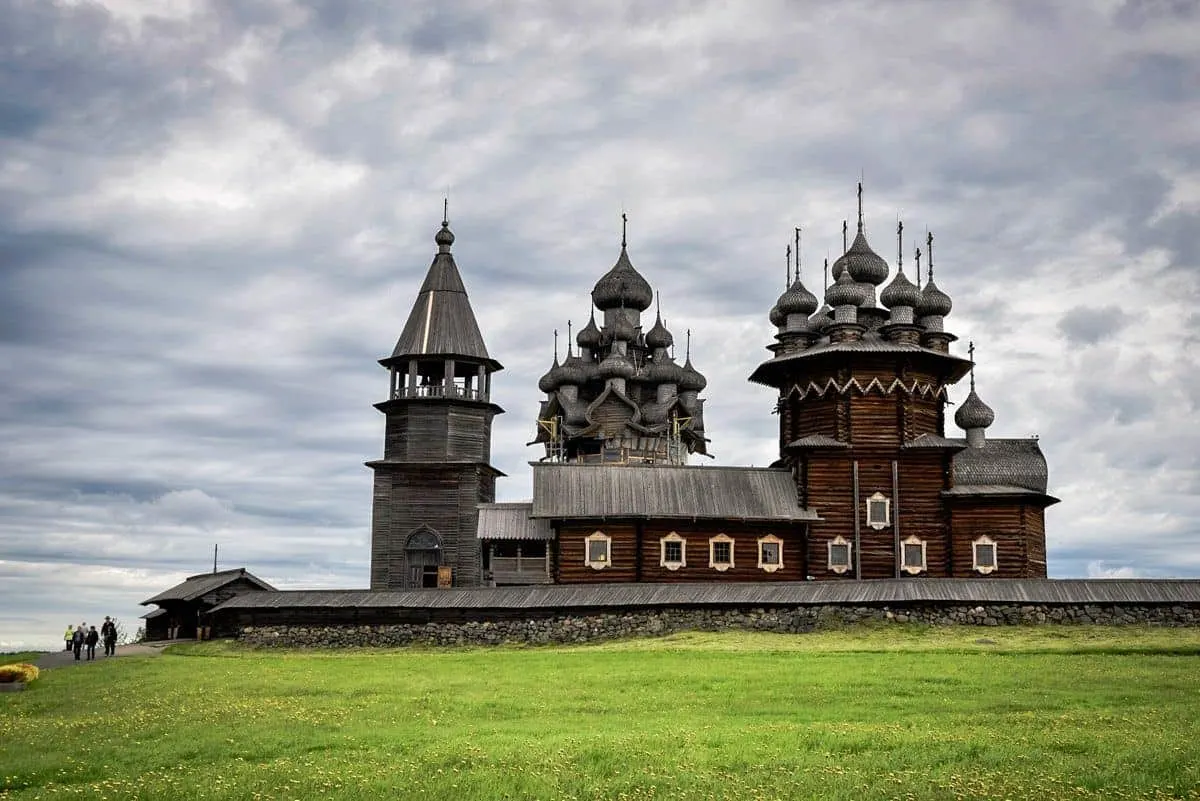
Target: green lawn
x,y
19,656
898,712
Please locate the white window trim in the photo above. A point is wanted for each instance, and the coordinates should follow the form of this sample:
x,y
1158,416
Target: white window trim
x,y
662,551
770,568
887,511
984,569
598,564
839,569
721,566
913,569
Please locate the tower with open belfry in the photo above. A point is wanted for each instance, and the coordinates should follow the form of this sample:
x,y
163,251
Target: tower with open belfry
x,y
436,466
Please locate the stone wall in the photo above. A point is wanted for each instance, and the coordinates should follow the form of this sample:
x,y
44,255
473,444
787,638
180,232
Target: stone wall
x,y
579,628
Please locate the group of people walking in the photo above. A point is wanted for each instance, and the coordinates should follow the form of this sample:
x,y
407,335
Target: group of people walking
x,y
83,640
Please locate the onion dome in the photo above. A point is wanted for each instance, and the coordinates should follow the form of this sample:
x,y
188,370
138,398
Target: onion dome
x,y
864,264
974,413
690,379
659,336
553,379
622,286
616,366
797,300
444,238
900,292
846,292
934,302
777,318
664,371
589,335
573,370
621,329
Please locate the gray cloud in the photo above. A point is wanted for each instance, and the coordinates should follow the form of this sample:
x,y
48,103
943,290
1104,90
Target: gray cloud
x,y
213,221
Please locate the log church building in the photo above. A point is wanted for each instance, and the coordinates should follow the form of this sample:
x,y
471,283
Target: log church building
x,y
868,483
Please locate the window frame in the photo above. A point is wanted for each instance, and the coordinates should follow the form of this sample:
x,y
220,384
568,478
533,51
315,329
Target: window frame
x,y
770,567
913,570
877,524
986,542
597,564
839,540
712,561
662,551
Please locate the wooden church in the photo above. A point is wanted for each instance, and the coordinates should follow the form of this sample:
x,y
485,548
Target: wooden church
x,y
867,484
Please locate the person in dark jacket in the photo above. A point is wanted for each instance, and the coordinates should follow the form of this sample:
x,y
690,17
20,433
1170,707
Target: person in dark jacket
x,y
108,632
93,637
77,639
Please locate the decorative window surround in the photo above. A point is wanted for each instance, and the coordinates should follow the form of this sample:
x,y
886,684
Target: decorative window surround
x,y
983,555
720,543
770,553
912,552
672,552
597,550
841,553
879,511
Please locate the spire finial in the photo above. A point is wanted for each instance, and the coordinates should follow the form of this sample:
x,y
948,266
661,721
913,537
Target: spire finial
x,y
845,233
918,268
570,339
688,352
900,245
826,272
860,211
556,346
624,223
658,304
788,282
797,253
971,353
929,253
446,210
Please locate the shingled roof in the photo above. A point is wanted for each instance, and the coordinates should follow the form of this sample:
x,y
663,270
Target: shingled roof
x,y
442,322
511,521
203,583
562,491
1000,466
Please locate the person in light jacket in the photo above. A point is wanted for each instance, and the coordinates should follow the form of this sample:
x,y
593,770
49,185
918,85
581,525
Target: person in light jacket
x,y
69,637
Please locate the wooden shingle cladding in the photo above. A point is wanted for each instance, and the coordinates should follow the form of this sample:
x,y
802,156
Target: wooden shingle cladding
x,y
636,551
438,429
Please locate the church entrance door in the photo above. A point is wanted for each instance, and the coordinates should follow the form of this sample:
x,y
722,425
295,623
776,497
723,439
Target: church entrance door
x,y
423,552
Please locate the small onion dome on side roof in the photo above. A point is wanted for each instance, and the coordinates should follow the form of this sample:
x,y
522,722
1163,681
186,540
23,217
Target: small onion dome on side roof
x,y
974,413
900,292
622,286
573,370
846,292
934,302
616,366
589,335
553,379
659,336
664,371
797,300
690,380
622,329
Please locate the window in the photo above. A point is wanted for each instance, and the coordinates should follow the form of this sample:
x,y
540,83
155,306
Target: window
x,y
984,553
720,552
672,552
839,555
912,552
879,509
770,553
597,550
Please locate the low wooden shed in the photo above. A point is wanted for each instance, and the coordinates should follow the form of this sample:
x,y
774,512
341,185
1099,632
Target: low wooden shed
x,y
180,608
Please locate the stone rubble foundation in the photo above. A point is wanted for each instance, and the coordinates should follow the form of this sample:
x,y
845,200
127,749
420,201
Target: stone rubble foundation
x,y
582,628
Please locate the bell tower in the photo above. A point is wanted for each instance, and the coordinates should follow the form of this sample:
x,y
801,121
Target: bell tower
x,y
437,447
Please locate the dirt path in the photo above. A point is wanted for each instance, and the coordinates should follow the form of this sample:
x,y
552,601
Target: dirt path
x,y
57,659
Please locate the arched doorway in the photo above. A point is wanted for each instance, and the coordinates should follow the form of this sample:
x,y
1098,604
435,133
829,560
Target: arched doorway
x,y
423,553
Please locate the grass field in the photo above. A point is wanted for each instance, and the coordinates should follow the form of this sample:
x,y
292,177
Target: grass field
x,y
902,712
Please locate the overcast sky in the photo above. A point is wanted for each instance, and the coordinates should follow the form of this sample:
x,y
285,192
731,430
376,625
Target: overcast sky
x,y
214,217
